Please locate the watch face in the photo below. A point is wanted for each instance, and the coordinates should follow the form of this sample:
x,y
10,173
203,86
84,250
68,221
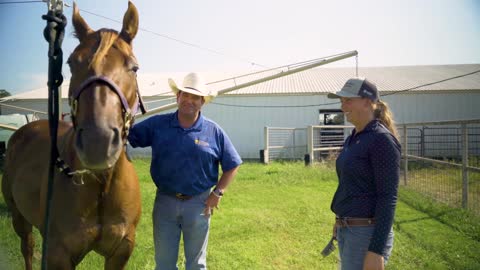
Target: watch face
x,y
218,192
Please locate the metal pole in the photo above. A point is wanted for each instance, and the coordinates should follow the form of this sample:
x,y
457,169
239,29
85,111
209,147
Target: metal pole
x,y
464,165
286,73
261,80
265,150
310,143
405,155
53,33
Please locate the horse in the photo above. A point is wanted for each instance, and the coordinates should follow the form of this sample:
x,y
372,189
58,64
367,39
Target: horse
x,y
95,203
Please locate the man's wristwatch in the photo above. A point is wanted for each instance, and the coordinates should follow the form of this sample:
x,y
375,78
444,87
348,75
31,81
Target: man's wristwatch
x,y
217,192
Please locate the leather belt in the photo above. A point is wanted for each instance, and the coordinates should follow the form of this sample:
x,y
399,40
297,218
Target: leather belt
x,y
182,197
346,222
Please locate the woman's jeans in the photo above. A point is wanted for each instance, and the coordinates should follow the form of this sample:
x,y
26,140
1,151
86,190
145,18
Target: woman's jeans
x,y
353,242
171,218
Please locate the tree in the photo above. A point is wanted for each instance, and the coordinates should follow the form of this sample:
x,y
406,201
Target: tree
x,y
4,93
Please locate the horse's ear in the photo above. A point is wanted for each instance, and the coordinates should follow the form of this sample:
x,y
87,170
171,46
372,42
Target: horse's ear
x,y
81,27
130,23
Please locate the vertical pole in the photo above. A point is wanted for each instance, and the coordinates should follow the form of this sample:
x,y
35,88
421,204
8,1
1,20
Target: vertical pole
x,y
59,101
405,153
294,145
266,151
53,34
464,165
310,143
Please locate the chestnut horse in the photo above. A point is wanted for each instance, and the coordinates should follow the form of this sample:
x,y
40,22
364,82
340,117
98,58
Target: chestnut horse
x,y
96,198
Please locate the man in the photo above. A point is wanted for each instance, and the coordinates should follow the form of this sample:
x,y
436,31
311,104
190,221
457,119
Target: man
x,y
187,149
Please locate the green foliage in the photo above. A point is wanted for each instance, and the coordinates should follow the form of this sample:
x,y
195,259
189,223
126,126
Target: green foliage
x,y
278,216
4,93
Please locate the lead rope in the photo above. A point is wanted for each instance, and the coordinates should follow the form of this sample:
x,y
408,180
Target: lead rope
x,y
53,33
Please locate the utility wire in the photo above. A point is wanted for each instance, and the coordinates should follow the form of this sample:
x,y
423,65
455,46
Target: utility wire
x,y
154,33
19,2
428,84
180,41
333,103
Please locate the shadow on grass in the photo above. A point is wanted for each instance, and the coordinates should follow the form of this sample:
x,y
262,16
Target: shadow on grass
x,y
4,212
454,218
429,216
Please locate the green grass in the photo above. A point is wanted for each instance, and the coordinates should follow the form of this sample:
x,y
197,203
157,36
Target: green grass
x,y
278,216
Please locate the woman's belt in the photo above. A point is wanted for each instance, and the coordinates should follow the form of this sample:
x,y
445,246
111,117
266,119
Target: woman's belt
x,y
347,222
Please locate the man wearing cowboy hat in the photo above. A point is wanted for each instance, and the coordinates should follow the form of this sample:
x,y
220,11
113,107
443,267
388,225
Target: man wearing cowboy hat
x,y
186,151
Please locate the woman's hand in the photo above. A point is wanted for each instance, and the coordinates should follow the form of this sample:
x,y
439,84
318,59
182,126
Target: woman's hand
x,y
373,261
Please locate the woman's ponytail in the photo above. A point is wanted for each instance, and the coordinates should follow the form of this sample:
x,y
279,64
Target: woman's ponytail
x,y
385,116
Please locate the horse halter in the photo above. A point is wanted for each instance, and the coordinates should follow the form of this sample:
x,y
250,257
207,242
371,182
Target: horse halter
x,y
128,113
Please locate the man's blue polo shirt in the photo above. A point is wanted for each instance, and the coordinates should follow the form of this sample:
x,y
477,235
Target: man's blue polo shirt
x,y
368,170
185,160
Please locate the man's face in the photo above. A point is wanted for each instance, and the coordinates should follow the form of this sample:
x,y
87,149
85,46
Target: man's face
x,y
189,104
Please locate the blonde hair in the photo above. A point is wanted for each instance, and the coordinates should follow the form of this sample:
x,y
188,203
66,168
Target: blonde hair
x,y
385,116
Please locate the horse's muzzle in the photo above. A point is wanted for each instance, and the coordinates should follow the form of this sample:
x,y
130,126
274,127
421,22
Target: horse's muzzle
x,y
98,148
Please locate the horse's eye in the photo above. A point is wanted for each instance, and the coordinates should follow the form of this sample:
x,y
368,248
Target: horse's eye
x,y
132,65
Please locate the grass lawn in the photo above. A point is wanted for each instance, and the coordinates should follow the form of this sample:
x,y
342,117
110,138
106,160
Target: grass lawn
x,y
278,216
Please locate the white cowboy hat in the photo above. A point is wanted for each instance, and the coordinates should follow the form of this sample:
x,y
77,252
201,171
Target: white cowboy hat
x,y
193,84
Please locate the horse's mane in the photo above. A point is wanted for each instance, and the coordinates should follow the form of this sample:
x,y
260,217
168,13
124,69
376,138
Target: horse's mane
x,y
108,38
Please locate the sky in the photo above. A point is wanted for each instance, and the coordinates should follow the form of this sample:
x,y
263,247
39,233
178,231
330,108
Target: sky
x,y
251,35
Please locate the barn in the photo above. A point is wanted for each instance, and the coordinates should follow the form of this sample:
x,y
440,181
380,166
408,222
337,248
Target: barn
x,y
414,93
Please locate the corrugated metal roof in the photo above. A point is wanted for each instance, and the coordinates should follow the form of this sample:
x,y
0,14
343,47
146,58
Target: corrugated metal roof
x,y
325,80
318,80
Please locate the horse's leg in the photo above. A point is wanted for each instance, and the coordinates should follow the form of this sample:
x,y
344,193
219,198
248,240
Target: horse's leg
x,y
120,257
24,230
58,258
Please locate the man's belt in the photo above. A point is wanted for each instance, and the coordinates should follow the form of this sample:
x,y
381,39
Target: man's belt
x,y
346,222
182,197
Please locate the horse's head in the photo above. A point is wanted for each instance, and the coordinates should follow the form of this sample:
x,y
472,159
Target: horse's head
x,y
103,90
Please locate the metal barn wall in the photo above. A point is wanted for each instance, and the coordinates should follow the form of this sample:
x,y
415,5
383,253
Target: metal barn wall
x,y
245,125
423,107
244,122
32,104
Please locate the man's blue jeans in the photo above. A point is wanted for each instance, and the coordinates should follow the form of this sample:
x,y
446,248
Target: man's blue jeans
x,y
171,218
353,242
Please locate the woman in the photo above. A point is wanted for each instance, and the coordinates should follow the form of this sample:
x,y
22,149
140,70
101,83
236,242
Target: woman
x,y
368,169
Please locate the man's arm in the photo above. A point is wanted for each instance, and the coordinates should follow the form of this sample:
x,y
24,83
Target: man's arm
x,y
214,199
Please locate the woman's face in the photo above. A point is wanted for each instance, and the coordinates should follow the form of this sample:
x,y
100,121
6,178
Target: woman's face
x,y
356,109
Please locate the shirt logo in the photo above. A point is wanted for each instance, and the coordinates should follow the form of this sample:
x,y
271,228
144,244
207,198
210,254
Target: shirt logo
x,y
202,143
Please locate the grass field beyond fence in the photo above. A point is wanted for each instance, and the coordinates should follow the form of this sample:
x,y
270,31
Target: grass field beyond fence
x,y
278,216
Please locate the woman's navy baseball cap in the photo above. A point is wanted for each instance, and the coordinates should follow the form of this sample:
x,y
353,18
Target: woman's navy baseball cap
x,y
357,87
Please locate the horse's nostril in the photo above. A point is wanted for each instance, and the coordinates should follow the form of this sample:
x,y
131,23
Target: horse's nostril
x,y
79,141
116,136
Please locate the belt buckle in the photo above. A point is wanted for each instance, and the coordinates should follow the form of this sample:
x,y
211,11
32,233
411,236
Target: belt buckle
x,y
181,196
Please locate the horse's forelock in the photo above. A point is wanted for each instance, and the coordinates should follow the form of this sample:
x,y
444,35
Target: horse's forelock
x,y
108,38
